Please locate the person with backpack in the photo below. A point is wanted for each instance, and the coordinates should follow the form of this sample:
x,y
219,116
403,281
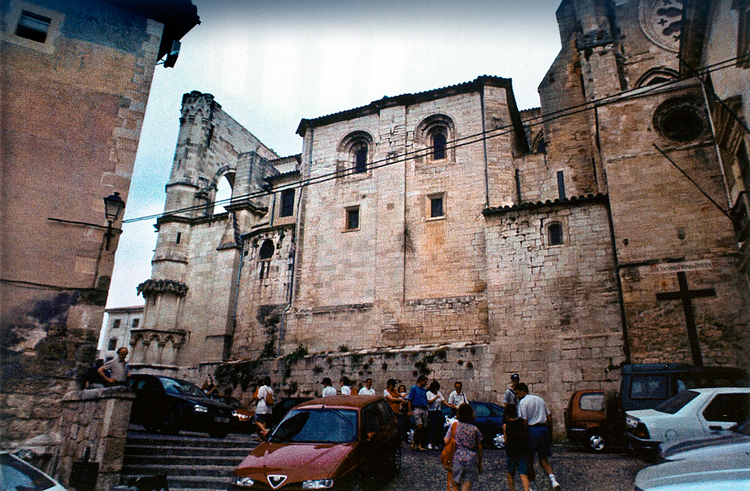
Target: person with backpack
x,y
264,405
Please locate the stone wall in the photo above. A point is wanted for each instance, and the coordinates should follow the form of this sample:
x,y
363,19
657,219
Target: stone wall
x,y
94,421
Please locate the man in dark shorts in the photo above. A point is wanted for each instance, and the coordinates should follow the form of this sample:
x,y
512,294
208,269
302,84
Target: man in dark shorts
x,y
534,411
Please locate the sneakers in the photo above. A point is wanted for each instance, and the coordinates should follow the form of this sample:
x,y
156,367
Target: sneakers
x,y
429,446
555,485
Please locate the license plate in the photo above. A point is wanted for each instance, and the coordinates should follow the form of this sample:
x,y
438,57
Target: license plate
x,y
221,419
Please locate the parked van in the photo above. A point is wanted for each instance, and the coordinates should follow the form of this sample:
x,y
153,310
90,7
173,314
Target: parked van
x,y
645,386
596,418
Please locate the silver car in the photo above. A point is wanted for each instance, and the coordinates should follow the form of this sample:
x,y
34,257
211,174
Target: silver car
x,y
713,474
733,441
17,474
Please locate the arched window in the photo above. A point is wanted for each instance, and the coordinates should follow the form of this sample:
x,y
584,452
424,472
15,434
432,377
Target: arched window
x,y
223,194
438,143
555,234
266,249
360,159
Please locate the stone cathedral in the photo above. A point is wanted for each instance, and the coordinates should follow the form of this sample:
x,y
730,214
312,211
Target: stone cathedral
x,y
452,233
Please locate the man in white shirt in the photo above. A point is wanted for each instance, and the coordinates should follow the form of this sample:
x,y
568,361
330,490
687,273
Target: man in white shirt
x,y
264,406
328,389
457,397
534,410
367,390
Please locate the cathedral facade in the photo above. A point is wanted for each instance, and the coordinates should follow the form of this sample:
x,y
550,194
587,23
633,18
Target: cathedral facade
x,y
558,242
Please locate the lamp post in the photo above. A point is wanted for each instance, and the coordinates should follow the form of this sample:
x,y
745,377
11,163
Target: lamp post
x,y
113,206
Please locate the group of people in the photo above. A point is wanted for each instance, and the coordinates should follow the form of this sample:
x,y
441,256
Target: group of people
x,y
527,433
346,388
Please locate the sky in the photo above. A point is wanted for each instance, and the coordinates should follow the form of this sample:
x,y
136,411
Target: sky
x,y
271,63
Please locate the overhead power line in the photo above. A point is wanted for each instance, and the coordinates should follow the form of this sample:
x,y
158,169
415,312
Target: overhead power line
x,y
459,142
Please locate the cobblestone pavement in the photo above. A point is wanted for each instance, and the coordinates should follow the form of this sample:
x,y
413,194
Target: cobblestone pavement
x,y
575,469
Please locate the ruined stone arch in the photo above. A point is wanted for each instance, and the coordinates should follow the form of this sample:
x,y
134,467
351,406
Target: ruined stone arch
x,y
435,135
539,144
354,154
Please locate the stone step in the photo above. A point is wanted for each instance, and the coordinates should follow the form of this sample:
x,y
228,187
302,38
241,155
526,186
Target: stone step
x,y
136,460
154,450
178,471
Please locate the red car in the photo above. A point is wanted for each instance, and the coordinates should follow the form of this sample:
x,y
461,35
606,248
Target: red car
x,y
340,443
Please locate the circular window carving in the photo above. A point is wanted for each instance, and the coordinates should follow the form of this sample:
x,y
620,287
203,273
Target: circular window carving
x,y
267,249
682,119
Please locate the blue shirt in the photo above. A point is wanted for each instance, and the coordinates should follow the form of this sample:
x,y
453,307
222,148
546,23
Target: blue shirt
x,y
418,396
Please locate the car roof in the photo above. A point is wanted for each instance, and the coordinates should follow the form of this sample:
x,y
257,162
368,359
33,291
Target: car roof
x,y
355,402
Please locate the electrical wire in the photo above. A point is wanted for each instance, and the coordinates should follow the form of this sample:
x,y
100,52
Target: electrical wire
x,y
460,142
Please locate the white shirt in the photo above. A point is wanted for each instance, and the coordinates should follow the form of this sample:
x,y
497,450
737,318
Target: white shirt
x,y
329,391
456,399
533,409
346,390
261,407
435,405
364,391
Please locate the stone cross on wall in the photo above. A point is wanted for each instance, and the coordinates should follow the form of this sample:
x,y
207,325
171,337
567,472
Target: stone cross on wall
x,y
687,295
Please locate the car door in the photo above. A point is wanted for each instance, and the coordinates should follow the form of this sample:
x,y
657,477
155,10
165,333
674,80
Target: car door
x,y
724,411
486,420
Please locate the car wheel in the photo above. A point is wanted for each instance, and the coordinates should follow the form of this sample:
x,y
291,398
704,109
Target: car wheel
x,y
596,442
170,425
498,441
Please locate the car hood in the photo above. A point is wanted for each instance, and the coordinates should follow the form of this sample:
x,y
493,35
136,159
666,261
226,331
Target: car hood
x,y
729,443
298,461
696,474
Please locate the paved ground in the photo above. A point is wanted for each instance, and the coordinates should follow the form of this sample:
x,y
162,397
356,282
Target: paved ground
x,y
575,469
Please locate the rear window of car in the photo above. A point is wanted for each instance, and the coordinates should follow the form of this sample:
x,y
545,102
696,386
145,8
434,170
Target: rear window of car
x,y
592,402
324,425
15,474
648,387
671,406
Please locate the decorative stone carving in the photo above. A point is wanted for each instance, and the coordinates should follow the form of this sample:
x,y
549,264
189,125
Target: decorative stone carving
x,y
153,287
661,22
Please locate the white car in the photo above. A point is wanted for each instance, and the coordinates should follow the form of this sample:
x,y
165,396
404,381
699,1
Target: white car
x,y
693,413
18,475
712,474
734,441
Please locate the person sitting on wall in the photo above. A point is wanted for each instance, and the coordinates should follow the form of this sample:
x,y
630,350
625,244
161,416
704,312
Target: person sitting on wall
x,y
117,368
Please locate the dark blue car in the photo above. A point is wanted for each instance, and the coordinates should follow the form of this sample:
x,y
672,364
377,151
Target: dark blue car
x,y
489,421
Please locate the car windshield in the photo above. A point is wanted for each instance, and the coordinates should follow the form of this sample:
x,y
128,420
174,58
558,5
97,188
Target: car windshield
x,y
230,401
15,474
325,425
671,406
181,388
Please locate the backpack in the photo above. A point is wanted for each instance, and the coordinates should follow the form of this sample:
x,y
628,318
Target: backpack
x,y
269,398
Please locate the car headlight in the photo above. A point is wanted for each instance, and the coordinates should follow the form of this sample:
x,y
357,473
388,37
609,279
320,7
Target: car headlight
x,y
242,482
318,484
631,422
200,409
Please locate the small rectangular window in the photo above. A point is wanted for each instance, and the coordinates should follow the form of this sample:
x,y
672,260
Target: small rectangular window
x,y
33,26
436,207
135,323
112,344
116,323
287,203
178,238
561,184
352,218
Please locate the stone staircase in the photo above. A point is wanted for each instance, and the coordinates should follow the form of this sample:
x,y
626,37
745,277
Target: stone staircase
x,y
190,460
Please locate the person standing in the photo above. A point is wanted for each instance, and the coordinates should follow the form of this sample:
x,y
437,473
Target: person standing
x,y
534,411
117,368
346,389
395,400
417,399
435,401
457,397
467,460
367,390
264,406
516,447
510,396
328,389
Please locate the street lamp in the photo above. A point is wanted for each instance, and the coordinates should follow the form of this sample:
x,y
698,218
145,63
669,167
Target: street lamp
x,y
113,206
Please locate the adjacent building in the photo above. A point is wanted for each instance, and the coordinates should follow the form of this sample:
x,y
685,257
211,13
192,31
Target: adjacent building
x,y
115,333
75,79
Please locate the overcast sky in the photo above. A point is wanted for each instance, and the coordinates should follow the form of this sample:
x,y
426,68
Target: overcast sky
x,y
271,63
